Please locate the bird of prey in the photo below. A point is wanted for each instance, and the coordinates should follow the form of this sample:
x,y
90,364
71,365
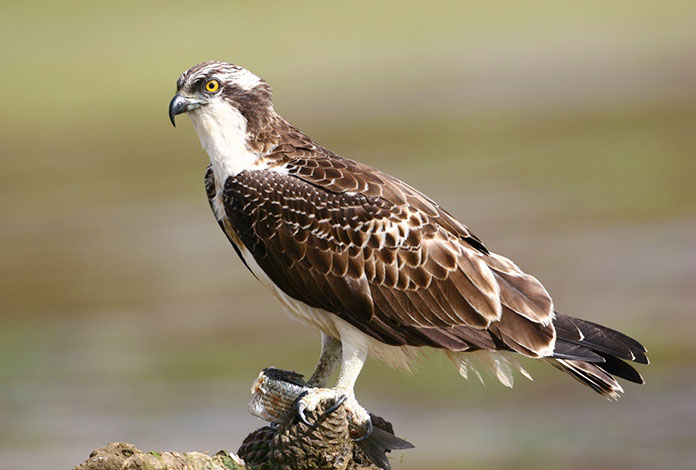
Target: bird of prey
x,y
377,266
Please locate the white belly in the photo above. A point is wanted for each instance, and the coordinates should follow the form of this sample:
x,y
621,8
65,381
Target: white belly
x,y
317,317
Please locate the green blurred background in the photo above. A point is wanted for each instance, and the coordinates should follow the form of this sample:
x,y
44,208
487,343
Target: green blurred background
x,y
563,134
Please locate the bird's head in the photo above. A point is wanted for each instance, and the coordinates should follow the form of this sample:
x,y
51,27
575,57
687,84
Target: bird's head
x,y
208,86
205,87
225,102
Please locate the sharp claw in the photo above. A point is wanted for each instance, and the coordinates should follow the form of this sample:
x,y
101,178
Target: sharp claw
x,y
368,432
335,406
300,408
304,419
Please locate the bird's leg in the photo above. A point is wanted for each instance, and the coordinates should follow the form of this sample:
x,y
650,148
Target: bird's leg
x,y
328,361
352,361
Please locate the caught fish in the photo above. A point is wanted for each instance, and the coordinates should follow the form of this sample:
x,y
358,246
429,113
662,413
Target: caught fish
x,y
274,393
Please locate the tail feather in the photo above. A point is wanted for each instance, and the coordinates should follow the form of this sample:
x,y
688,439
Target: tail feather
x,y
599,338
567,350
617,367
590,375
594,354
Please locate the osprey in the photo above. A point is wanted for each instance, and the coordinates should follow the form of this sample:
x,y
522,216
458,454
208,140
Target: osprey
x,y
377,266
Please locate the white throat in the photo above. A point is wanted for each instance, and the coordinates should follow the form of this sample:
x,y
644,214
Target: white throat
x,y
223,133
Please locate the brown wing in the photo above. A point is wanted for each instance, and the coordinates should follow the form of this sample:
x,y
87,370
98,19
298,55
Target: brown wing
x,y
344,237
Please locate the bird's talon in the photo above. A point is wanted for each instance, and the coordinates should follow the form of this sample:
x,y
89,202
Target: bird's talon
x,y
339,401
367,434
301,407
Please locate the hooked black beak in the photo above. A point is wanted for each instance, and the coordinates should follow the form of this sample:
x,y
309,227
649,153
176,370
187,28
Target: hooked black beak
x,y
180,104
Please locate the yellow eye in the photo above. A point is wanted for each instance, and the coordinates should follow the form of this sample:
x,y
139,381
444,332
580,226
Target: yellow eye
x,y
212,86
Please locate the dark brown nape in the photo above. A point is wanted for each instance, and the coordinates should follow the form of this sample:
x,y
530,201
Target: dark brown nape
x,y
264,126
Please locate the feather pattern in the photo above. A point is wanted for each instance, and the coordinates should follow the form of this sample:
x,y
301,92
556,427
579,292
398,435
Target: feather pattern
x,y
344,238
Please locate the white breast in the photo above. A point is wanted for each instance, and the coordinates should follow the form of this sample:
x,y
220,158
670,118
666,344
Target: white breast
x,y
222,131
